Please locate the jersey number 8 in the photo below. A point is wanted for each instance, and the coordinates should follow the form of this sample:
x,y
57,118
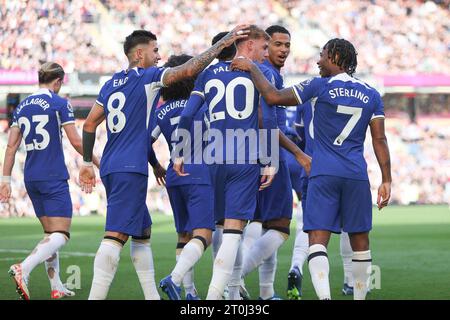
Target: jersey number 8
x,y
116,118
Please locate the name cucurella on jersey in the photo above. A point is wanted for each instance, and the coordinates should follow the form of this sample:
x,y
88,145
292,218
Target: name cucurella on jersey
x,y
35,101
341,92
176,104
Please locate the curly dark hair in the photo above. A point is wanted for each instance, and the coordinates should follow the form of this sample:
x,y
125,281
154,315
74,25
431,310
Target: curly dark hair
x,y
227,53
181,89
343,54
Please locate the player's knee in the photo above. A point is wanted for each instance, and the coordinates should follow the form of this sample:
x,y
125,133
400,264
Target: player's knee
x,y
282,226
64,233
204,241
117,240
142,239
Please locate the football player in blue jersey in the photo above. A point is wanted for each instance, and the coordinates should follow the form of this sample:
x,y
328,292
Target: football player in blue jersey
x,y
191,197
233,114
339,197
127,101
274,202
38,119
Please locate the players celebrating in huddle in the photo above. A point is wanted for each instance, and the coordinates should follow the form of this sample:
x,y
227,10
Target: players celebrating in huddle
x,y
226,166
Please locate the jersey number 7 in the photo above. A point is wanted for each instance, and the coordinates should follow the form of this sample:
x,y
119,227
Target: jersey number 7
x,y
355,116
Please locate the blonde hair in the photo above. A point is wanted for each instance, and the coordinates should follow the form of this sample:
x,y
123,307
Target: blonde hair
x,y
255,33
50,71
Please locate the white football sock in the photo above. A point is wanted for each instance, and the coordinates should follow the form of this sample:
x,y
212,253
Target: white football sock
x,y
183,271
262,249
142,257
319,269
235,280
52,269
347,255
301,245
223,265
252,232
267,276
44,250
361,266
105,267
216,240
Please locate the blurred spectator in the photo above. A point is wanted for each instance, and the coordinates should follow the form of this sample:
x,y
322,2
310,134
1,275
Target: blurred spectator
x,y
392,37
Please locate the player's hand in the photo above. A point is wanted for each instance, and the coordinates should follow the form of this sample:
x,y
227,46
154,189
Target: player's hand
x,y
178,167
239,32
384,194
241,64
267,177
87,178
305,161
160,174
5,191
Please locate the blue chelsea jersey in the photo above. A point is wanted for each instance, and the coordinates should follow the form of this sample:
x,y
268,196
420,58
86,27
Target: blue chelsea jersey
x,y
233,102
40,117
129,100
303,118
342,112
166,121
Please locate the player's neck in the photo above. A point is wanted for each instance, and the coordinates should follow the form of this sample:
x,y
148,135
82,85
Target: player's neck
x,y
47,86
244,53
274,65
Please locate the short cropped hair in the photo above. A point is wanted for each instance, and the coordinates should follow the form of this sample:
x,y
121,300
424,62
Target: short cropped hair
x,y
255,33
137,37
277,29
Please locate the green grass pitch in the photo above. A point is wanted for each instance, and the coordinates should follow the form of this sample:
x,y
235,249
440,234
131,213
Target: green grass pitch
x,y
411,245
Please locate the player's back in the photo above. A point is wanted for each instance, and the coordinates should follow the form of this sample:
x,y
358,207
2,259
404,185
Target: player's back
x,y
232,101
40,117
129,99
344,108
167,119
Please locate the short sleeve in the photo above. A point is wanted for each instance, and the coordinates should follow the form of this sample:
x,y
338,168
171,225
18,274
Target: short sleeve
x,y
66,113
199,87
378,109
308,89
155,76
15,120
101,98
299,116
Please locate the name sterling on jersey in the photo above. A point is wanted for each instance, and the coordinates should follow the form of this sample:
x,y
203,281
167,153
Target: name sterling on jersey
x,y
341,92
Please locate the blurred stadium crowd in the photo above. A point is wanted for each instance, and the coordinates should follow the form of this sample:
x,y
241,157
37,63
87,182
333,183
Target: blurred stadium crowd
x,y
393,37
420,170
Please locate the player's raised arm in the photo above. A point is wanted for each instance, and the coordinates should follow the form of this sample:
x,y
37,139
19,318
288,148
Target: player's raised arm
x,y
195,65
87,174
381,150
272,96
14,138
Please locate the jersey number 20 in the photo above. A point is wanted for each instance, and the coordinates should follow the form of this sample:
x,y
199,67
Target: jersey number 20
x,y
228,92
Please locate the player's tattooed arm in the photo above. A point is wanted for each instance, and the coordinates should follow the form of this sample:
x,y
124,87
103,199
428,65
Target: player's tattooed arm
x,y
14,139
283,97
381,149
195,65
